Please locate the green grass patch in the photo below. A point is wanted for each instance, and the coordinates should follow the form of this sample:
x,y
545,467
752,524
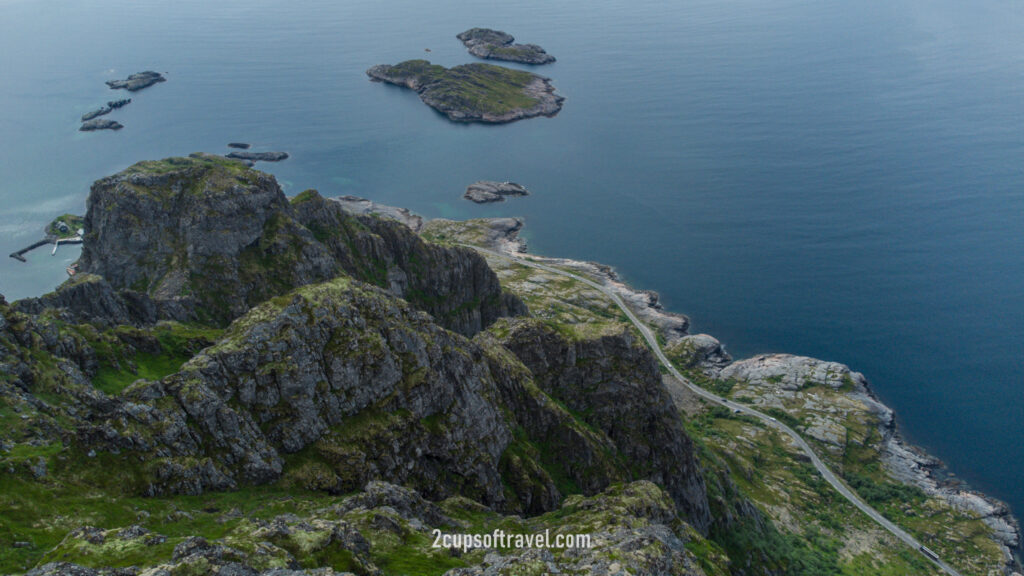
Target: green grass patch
x,y
475,89
177,343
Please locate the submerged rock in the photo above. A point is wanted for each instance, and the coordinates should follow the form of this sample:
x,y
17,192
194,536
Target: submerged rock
x,y
137,81
238,145
498,45
486,191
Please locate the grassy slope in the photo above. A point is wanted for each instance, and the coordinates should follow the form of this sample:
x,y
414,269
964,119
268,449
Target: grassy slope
x,y
474,88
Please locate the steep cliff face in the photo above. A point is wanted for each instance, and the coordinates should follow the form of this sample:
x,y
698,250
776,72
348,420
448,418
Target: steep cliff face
x,y
200,230
208,237
342,379
340,383
90,299
613,383
221,337
454,285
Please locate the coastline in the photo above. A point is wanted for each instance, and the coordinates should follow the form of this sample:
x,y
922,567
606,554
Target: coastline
x,y
904,462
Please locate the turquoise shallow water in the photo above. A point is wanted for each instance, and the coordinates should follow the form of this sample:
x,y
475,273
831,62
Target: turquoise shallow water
x,y
841,180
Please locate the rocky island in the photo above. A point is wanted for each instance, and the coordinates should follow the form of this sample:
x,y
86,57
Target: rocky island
x,y
137,81
486,191
498,45
238,382
474,92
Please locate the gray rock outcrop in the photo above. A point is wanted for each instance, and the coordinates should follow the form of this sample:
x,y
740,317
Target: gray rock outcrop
x,y
259,156
100,124
699,351
370,385
789,372
365,207
497,45
96,113
137,81
210,236
614,382
486,191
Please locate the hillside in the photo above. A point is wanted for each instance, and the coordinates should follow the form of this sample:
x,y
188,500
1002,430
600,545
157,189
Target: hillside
x,y
241,383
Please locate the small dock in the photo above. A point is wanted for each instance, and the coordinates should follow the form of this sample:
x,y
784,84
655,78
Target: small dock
x,y
56,242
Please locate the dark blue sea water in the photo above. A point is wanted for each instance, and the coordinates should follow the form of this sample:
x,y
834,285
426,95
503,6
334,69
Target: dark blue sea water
x,y
838,179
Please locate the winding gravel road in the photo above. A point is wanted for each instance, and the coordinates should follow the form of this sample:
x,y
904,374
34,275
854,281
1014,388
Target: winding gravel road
x,y
824,470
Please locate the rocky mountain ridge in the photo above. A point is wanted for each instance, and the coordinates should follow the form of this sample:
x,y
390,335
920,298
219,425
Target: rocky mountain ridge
x,y
222,338
242,360
211,237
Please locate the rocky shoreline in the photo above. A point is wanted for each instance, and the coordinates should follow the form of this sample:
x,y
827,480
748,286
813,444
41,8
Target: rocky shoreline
x,y
782,376
913,465
905,462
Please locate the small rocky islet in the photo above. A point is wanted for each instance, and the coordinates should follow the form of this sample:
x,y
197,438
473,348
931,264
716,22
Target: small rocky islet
x,y
100,124
488,191
259,156
110,107
474,92
91,120
498,45
137,81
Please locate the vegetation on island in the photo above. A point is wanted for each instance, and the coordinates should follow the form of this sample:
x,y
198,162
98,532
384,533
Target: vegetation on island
x,y
473,92
65,226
